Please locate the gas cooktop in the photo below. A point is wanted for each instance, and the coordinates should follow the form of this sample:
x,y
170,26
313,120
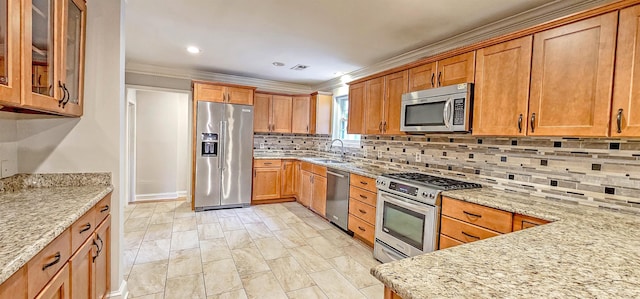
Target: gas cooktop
x,y
432,181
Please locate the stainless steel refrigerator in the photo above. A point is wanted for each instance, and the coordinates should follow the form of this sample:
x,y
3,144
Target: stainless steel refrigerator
x,y
224,154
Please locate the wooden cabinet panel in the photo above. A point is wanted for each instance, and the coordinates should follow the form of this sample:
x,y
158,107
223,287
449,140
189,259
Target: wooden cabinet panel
x,y
81,266
103,208
301,110
266,163
241,96
266,183
306,188
446,242
521,222
208,92
355,123
10,82
280,114
43,267
390,294
374,106
571,78
362,195
422,77
103,259
363,182
362,211
16,286
82,229
493,219
463,231
395,85
306,166
319,198
322,113
288,180
262,113
361,229
502,80
73,23
298,178
626,89
319,170
456,70
58,287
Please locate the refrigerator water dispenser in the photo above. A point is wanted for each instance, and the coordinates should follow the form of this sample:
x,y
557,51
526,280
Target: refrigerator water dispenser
x,y
209,145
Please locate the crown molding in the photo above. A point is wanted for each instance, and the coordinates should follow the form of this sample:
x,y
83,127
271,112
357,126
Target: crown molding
x,y
530,18
260,84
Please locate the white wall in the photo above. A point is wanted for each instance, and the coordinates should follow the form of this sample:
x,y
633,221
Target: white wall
x,y
8,145
94,142
161,144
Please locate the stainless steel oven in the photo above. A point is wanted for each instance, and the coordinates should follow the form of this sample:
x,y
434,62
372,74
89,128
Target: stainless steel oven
x,y
444,109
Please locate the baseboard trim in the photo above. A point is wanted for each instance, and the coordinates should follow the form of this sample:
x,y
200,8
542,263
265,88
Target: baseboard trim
x,y
158,196
121,293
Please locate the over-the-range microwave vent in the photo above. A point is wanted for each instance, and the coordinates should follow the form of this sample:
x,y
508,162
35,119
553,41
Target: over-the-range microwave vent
x,y
300,67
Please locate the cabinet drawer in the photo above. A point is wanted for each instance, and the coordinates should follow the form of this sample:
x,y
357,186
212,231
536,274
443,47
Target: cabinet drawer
x,y
42,267
446,242
363,182
306,166
103,208
463,231
362,229
319,170
82,229
266,163
362,211
497,220
363,195
521,222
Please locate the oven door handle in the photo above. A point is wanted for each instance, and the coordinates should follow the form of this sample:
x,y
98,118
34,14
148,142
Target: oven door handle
x,y
447,113
392,253
405,203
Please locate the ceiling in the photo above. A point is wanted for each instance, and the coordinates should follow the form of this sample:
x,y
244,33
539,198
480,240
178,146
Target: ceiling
x,y
244,37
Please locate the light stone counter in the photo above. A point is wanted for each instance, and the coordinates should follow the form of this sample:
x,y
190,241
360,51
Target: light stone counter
x,y
585,253
360,169
35,214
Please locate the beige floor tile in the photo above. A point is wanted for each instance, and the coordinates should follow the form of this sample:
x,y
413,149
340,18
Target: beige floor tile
x,y
258,230
262,285
289,217
336,237
162,217
214,250
290,274
265,211
309,259
152,296
334,285
373,292
136,224
249,217
274,223
183,212
325,248
316,222
239,294
271,248
210,231
221,277
249,260
305,230
301,212
362,254
129,258
238,239
146,279
290,238
313,292
184,240
355,273
132,240
231,223
129,207
224,213
184,262
166,207
206,217
158,232
191,286
184,224
142,213
153,251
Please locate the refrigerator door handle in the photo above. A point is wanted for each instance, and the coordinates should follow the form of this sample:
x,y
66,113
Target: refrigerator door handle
x,y
221,145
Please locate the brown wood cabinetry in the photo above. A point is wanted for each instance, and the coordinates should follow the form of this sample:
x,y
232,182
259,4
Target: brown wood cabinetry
x,y
449,71
83,270
390,294
288,178
44,266
266,183
625,114
422,77
10,82
571,78
446,242
356,109
521,222
301,114
319,199
16,286
223,93
313,187
362,207
373,108
395,85
262,113
375,105
502,88
58,287
306,188
272,113
103,259
320,120
274,181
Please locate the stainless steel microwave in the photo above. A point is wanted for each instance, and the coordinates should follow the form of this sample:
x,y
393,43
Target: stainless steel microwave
x,y
443,109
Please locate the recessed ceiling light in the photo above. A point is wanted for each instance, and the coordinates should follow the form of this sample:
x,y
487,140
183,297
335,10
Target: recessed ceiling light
x,y
278,63
193,50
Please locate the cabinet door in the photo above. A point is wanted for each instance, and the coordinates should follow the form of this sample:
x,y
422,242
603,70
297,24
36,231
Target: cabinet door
x,y
10,52
16,286
355,123
571,78
72,71
395,85
208,92
422,77
82,270
322,113
281,114
102,262
626,89
456,70
242,96
58,286
262,113
287,179
266,183
502,89
300,115
521,222
306,188
319,198
374,107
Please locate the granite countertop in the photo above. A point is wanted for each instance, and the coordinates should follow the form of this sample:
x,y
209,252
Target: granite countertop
x,y
585,253
352,167
31,218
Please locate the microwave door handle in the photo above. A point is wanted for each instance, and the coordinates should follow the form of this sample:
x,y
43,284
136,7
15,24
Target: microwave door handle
x,y
447,113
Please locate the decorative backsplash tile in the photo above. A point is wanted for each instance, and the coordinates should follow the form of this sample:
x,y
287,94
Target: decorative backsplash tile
x,y
594,172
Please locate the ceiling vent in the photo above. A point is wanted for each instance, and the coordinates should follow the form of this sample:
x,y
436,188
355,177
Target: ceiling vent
x,y
300,67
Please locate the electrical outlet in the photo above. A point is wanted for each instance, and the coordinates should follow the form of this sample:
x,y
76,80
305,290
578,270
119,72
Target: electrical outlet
x,y
364,152
379,154
261,145
418,157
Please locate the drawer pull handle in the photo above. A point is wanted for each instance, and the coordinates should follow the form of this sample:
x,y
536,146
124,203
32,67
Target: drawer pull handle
x,y
267,163
364,183
472,215
363,196
85,228
361,228
104,209
362,211
471,236
529,222
55,261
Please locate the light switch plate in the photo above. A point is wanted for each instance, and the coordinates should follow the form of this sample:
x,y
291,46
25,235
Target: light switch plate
x,y
418,157
379,154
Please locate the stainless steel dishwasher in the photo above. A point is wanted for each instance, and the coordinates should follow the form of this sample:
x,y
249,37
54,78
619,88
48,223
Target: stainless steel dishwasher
x,y
338,197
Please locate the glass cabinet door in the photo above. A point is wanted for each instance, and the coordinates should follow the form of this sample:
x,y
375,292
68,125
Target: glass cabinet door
x,y
42,47
10,51
4,22
73,55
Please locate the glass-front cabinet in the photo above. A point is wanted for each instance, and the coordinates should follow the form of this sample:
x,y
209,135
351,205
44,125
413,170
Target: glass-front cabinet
x,y
9,52
72,74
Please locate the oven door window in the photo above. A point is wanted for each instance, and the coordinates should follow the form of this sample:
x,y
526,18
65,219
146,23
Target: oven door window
x,y
404,224
424,114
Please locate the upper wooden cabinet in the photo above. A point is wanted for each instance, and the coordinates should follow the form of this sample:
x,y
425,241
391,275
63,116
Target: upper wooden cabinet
x,y
449,71
223,93
355,123
571,78
502,80
373,108
272,113
320,113
382,103
301,115
625,116
395,86
10,55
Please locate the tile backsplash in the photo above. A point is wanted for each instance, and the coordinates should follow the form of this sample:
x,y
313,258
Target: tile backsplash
x,y
595,172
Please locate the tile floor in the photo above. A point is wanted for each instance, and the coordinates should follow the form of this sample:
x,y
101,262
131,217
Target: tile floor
x,y
266,251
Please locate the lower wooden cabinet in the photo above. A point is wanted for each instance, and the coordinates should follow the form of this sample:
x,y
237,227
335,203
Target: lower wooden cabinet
x,y
58,287
313,187
266,183
306,188
390,294
362,207
16,286
82,270
274,180
288,178
103,259
521,222
319,199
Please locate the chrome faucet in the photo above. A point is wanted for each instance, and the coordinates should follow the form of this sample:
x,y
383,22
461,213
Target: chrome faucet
x,y
341,146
